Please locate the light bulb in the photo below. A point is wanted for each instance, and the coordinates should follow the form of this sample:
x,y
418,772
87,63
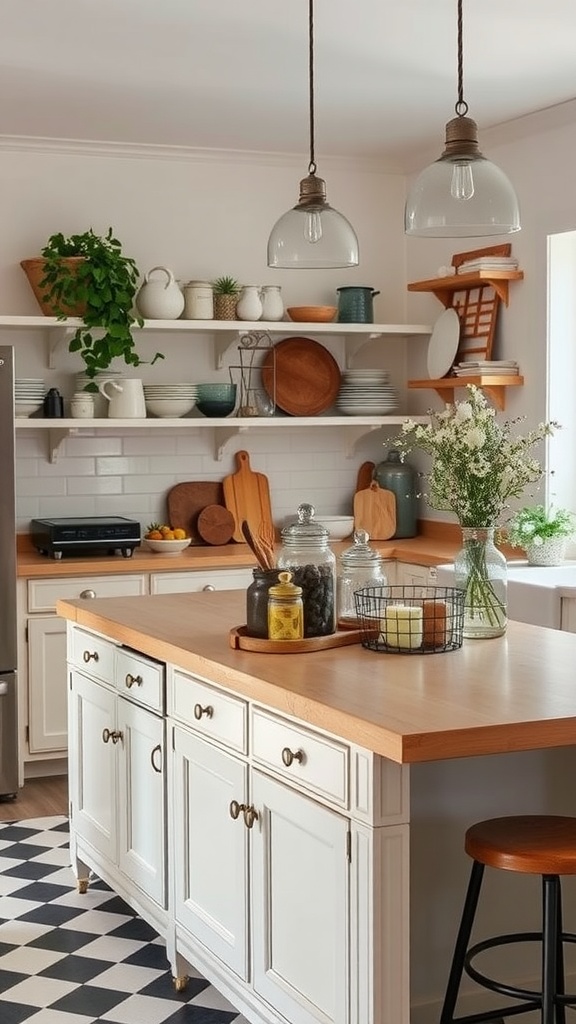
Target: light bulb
x,y
313,226
462,185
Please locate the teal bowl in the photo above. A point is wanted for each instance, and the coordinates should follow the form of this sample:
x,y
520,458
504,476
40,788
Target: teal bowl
x,y
211,408
217,392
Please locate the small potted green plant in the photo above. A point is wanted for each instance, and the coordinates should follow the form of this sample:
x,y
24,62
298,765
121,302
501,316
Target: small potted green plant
x,y
88,276
542,533
226,291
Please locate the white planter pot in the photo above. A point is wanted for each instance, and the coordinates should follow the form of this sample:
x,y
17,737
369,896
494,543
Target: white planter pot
x,y
551,552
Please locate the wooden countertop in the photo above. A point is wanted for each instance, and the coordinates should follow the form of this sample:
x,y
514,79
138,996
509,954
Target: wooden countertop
x,y
491,696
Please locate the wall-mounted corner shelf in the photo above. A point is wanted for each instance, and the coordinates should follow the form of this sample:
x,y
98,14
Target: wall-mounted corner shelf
x,y
444,287
493,386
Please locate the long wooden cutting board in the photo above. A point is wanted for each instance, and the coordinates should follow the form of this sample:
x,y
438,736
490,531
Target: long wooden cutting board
x,y
185,501
247,496
375,512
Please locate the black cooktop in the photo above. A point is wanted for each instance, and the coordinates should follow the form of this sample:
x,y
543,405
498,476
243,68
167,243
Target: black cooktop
x,y
76,535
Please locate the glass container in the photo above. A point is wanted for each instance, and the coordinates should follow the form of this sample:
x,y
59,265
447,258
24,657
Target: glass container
x,y
360,566
285,609
306,553
257,602
480,572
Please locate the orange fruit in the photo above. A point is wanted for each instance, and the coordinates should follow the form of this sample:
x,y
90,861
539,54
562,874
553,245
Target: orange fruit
x,y
154,535
179,534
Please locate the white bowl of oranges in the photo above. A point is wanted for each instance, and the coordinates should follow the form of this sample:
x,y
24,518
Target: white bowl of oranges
x,y
163,540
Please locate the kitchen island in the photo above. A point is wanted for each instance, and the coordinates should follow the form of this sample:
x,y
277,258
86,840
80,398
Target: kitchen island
x,y
267,835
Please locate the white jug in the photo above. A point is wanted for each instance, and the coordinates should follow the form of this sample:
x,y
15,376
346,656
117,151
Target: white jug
x,y
125,398
161,299
249,306
272,302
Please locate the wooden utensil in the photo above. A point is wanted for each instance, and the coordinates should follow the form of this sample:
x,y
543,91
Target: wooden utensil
x,y
364,478
186,500
260,553
215,524
247,496
375,512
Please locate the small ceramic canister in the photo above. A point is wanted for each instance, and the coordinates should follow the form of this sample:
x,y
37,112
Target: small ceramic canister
x,y
198,301
82,406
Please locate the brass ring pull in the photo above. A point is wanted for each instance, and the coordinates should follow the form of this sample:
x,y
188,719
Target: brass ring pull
x,y
130,680
235,809
106,735
88,656
250,816
199,711
288,756
156,750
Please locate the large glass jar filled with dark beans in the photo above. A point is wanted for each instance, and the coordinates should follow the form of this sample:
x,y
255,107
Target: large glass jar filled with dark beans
x,y
306,553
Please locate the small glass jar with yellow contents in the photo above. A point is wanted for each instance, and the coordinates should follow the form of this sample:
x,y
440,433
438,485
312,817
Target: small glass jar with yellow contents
x,y
285,610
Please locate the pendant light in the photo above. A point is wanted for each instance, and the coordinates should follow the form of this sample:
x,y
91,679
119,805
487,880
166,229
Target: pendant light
x,y
462,194
312,235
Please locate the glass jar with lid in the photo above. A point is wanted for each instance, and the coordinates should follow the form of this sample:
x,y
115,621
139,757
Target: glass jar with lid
x,y
360,566
306,553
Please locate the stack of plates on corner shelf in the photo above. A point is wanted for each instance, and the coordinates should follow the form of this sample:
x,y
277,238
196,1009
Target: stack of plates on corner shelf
x,y
366,393
28,396
487,367
488,263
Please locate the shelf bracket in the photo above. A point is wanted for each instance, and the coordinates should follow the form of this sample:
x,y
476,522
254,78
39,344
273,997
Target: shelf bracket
x,y
354,344
224,340
355,434
55,439
221,437
55,339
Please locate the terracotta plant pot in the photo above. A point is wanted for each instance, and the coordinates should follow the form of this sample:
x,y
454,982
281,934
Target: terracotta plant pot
x,y
34,270
225,307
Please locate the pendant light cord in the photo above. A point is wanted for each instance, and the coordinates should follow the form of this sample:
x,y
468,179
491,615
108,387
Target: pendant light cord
x,y
312,164
461,107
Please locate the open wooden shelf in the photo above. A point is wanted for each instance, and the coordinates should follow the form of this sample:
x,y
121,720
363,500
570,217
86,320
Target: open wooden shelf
x,y
492,385
444,287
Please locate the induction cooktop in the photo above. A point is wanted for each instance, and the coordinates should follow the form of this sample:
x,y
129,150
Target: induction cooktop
x,y
85,535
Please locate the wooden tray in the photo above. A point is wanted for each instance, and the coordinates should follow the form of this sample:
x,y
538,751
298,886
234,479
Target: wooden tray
x,y
239,639
301,376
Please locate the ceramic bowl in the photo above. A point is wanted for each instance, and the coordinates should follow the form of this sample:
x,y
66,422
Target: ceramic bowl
x,y
167,547
215,408
339,527
312,314
169,407
216,392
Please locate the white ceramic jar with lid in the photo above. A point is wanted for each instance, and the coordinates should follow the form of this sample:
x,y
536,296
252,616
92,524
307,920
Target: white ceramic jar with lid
x,y
198,301
306,553
360,566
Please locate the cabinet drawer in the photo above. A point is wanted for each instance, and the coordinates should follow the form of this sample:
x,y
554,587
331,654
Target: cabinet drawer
x,y
93,655
193,582
316,762
140,679
208,711
43,594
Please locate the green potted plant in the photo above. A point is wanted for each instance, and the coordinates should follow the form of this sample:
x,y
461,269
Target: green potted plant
x,y
541,532
88,276
225,290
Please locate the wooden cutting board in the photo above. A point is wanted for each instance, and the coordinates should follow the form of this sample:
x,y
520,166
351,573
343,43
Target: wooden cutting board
x,y
215,524
375,512
364,478
247,496
186,500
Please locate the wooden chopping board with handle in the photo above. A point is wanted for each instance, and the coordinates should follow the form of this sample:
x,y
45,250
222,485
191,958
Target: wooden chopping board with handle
x,y
247,496
185,501
375,512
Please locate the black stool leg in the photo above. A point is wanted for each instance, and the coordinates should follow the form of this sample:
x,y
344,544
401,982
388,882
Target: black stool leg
x,y
550,952
462,941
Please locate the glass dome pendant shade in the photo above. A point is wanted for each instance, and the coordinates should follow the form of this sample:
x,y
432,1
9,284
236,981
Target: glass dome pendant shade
x,y
461,194
312,235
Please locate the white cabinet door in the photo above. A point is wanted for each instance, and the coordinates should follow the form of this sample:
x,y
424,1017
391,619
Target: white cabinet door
x,y
300,899
193,582
47,695
93,789
141,799
211,848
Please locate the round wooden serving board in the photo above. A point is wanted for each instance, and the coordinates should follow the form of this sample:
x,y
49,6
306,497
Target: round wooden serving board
x,y
301,376
239,639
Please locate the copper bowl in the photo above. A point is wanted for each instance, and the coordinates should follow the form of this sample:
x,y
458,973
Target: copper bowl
x,y
312,314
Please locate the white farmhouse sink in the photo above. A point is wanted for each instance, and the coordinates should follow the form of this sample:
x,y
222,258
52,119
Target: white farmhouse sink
x,y
534,592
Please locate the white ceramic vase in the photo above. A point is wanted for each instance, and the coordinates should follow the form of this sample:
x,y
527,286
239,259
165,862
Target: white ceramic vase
x,y
550,552
272,304
249,306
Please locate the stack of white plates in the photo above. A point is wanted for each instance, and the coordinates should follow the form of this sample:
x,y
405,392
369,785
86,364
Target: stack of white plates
x,y
28,396
170,400
366,393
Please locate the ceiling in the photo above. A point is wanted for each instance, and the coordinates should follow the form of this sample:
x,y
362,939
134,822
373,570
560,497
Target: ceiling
x,y
233,74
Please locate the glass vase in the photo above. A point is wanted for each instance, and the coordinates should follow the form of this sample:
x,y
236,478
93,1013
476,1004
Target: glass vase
x,y
480,571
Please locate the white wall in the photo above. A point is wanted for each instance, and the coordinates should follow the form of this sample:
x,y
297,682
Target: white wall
x,y
201,217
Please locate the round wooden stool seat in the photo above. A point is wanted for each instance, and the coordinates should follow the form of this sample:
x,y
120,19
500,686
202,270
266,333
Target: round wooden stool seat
x,y
534,844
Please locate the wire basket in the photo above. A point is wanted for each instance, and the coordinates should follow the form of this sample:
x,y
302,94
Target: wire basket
x,y
410,619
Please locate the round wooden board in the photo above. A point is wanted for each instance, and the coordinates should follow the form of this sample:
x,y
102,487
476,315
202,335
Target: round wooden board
x,y
239,639
301,376
215,524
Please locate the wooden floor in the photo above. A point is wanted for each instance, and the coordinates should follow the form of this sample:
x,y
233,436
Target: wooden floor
x,y
37,798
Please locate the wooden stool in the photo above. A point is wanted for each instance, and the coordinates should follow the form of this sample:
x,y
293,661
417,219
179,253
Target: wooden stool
x,y
533,844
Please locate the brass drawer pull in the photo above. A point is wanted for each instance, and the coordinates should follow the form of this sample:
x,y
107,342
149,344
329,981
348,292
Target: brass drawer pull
x,y
199,711
90,656
130,680
156,750
114,735
236,808
250,816
288,756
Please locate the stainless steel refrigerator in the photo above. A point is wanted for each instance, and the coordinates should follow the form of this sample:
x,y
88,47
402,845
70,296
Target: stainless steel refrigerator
x,y
8,654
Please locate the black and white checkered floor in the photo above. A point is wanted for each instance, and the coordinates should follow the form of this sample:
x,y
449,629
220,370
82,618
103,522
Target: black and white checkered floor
x,y
67,958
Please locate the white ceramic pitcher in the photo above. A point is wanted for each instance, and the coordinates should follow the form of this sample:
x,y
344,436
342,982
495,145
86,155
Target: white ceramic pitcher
x,y
125,398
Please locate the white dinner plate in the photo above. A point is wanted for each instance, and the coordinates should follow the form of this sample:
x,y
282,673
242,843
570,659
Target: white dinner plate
x,y
443,344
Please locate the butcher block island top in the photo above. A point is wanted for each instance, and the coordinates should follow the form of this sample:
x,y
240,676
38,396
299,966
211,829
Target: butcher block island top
x,y
514,693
